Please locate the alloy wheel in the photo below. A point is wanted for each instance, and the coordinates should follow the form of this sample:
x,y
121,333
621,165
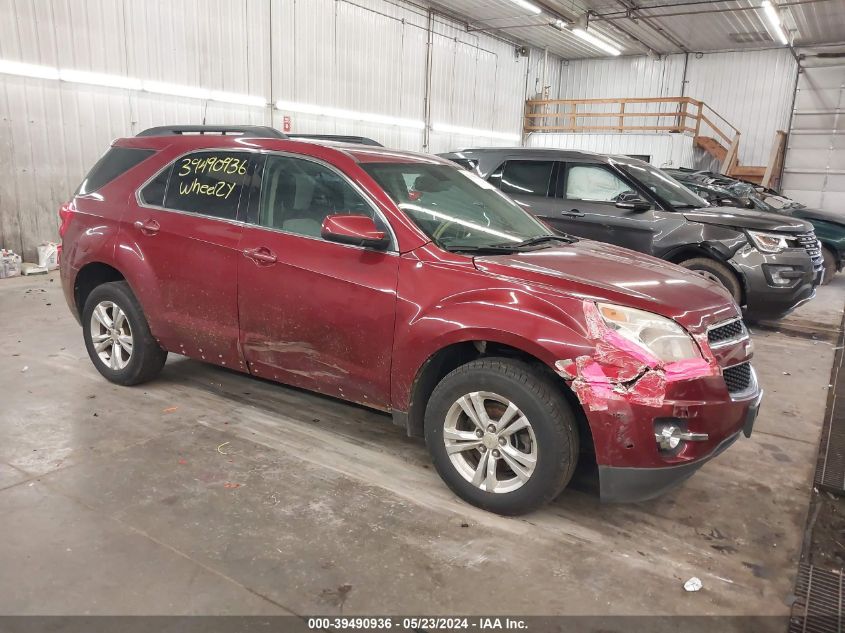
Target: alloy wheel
x,y
490,442
111,335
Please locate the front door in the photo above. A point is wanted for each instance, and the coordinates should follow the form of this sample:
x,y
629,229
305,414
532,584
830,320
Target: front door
x,y
313,313
184,231
587,195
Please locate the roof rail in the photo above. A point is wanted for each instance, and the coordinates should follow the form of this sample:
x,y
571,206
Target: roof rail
x,y
254,131
341,138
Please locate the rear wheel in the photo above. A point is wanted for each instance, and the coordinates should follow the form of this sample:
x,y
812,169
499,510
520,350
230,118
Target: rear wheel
x,y
718,272
829,265
501,435
117,336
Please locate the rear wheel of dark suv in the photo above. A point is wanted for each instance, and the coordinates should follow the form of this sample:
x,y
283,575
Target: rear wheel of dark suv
x,y
117,336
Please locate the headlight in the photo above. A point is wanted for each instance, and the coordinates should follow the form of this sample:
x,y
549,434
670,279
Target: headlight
x,y
664,338
770,242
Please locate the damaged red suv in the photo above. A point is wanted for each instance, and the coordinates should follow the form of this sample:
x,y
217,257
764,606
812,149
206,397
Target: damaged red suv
x,y
401,282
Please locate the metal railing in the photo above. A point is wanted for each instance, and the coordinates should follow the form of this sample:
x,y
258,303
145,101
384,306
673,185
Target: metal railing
x,y
644,114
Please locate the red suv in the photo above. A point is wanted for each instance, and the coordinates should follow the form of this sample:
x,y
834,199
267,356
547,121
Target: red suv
x,y
401,282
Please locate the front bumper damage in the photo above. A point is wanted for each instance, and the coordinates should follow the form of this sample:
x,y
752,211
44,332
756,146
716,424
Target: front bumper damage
x,y
627,394
763,298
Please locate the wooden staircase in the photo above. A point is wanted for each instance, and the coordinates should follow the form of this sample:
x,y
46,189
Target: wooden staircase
x,y
682,115
765,175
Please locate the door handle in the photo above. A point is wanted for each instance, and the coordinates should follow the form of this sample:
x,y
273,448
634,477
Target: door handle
x,y
572,213
261,255
150,227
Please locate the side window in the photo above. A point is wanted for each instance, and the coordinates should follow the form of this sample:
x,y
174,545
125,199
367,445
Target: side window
x,y
208,183
595,183
113,163
153,193
530,177
298,194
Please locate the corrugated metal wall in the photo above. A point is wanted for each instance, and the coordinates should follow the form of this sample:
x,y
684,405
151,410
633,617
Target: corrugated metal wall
x,y
752,90
663,150
361,55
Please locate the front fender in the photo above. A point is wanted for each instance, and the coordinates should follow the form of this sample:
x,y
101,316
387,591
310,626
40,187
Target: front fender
x,y
532,324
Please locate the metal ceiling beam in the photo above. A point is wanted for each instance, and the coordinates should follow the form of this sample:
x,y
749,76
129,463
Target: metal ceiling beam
x,y
625,15
632,10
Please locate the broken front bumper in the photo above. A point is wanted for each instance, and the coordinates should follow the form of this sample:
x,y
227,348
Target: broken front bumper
x,y
764,299
630,484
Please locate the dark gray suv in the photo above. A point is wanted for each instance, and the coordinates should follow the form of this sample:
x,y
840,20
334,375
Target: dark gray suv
x,y
766,261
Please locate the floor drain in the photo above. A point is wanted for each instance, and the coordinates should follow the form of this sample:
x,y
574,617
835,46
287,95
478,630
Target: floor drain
x,y
830,472
819,602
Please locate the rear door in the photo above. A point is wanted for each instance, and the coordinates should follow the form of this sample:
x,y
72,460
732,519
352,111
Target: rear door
x,y
587,195
528,182
313,313
183,230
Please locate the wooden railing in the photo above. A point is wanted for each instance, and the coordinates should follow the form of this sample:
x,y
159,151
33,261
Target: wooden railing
x,y
648,114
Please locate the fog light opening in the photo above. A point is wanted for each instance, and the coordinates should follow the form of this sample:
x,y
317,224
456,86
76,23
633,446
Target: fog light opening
x,y
668,438
670,435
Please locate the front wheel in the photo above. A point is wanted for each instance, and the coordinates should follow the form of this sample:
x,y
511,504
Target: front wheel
x,y
829,265
717,272
117,336
501,435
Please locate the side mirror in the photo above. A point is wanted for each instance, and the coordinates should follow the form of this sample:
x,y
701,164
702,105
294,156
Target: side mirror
x,y
637,205
357,230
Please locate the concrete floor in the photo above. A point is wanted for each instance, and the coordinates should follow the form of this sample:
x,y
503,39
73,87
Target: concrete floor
x,y
208,492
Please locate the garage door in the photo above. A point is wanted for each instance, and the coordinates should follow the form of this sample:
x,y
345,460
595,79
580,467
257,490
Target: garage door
x,y
814,166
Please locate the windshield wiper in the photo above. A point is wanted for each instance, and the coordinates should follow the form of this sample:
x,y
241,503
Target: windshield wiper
x,y
534,241
493,249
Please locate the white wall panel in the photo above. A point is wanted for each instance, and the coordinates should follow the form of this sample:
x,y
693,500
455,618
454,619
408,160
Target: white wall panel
x,y
622,77
753,90
361,55
665,150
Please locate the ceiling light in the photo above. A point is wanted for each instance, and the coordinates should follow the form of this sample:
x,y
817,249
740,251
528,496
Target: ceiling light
x,y
100,79
559,25
468,131
774,20
28,70
337,113
238,98
176,90
528,6
598,43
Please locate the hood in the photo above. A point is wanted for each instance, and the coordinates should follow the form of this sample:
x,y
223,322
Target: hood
x,y
816,214
748,219
594,270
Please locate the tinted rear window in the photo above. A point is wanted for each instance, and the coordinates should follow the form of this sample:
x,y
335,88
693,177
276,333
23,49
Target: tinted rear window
x,y
527,177
208,183
153,193
114,162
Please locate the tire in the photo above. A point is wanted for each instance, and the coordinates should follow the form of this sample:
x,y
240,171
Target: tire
x,y
829,265
143,359
551,436
716,271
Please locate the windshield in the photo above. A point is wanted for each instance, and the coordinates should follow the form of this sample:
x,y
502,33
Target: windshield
x,y
455,208
663,185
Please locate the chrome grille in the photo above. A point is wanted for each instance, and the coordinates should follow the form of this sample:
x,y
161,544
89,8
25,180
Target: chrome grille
x,y
726,333
811,244
738,377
